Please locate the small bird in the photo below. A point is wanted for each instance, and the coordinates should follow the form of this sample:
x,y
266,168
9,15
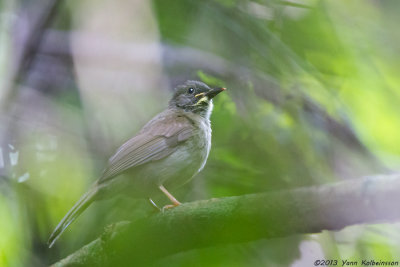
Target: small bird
x,y
168,151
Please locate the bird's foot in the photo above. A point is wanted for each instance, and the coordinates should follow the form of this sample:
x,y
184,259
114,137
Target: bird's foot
x,y
167,207
174,201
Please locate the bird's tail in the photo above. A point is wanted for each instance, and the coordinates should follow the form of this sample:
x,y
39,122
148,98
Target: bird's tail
x,y
72,214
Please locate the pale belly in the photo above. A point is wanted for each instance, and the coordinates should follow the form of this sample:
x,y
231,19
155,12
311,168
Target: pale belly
x,y
188,160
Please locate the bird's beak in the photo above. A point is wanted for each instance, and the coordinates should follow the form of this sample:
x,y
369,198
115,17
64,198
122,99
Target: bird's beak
x,y
213,92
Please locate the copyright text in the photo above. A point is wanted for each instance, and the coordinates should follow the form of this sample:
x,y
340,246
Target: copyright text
x,y
355,263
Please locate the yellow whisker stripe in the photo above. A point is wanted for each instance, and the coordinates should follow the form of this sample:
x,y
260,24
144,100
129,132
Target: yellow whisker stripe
x,y
199,95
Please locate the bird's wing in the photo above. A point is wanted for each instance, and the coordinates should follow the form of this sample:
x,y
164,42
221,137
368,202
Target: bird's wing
x,y
157,140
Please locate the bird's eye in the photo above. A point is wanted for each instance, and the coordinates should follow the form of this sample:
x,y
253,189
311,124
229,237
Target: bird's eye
x,y
190,90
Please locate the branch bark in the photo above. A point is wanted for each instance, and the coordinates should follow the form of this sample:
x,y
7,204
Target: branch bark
x,y
242,219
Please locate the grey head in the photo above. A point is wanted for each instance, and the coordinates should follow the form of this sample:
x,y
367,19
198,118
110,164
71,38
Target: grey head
x,y
195,97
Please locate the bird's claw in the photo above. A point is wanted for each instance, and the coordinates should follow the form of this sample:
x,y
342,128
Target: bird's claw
x,y
167,207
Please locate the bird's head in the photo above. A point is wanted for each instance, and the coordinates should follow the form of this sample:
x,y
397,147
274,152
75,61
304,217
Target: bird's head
x,y
194,96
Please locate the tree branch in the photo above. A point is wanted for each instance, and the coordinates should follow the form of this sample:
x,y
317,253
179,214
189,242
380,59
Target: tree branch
x,y
26,52
242,219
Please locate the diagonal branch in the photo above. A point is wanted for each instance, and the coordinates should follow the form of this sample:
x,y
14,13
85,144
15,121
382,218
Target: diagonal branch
x,y
242,219
25,56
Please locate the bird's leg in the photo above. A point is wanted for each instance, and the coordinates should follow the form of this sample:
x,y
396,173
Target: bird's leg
x,y
171,197
154,205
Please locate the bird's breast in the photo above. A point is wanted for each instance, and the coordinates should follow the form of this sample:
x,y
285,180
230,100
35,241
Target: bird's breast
x,y
185,162
204,143
192,156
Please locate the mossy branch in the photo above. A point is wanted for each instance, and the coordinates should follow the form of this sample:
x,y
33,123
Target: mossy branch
x,y
242,219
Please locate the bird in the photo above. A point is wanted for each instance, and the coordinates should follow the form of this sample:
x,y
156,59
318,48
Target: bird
x,y
166,153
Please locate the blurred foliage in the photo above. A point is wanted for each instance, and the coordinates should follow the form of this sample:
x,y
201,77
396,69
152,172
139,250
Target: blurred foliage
x,y
313,93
